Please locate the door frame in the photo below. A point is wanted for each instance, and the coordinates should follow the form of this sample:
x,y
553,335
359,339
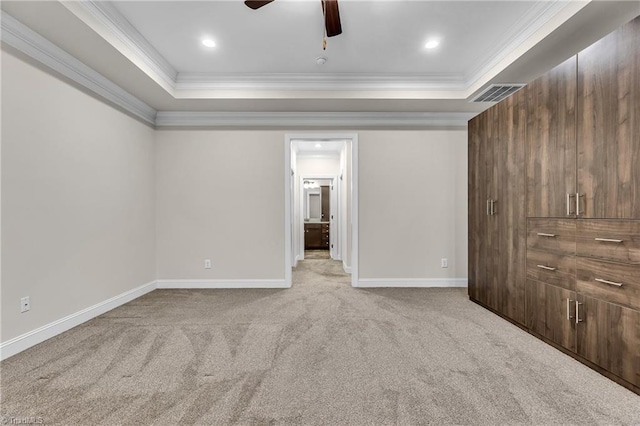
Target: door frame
x,y
301,179
289,207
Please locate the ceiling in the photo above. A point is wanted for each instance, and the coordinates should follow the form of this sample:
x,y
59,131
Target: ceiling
x,y
265,59
317,147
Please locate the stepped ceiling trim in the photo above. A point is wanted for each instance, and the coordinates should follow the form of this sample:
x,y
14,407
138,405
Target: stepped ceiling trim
x,y
22,38
109,23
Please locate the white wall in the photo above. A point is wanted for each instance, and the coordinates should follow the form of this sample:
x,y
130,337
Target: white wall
x,y
77,199
220,196
93,208
412,204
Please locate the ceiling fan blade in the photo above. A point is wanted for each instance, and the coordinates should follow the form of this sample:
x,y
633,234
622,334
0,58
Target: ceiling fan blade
x,y
256,4
331,17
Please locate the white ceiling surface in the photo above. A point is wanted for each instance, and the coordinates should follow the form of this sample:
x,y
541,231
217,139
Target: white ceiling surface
x,y
311,148
381,39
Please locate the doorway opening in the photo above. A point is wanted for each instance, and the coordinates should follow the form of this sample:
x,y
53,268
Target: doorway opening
x,y
321,200
319,210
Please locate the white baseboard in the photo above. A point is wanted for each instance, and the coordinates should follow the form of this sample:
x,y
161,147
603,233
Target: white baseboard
x,y
412,282
174,284
346,268
39,335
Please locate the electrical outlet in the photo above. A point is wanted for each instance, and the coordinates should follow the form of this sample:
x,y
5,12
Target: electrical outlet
x,y
207,264
444,262
25,304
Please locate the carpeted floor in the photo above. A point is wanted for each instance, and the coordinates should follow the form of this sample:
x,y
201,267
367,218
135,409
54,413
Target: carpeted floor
x,y
317,254
319,353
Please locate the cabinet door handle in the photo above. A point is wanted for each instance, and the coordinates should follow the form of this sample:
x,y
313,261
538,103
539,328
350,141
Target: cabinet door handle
x,y
569,317
569,197
493,207
548,268
578,211
600,280
608,240
543,234
578,319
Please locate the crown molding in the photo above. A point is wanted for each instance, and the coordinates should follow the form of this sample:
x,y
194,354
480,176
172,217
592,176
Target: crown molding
x,y
319,82
107,21
311,119
24,39
543,18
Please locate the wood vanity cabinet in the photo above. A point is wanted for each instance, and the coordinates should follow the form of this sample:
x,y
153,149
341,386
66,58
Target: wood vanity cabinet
x,y
557,250
316,236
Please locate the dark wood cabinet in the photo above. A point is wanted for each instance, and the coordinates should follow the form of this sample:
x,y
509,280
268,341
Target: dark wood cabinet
x,y
478,202
496,215
509,212
483,228
551,313
609,125
551,142
609,336
554,206
316,236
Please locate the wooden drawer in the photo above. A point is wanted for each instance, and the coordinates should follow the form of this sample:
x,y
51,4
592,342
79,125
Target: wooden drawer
x,y
617,240
552,268
600,279
552,235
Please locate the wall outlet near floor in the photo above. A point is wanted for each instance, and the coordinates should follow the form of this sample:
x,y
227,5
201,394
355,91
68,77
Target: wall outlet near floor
x,y
444,262
207,264
25,304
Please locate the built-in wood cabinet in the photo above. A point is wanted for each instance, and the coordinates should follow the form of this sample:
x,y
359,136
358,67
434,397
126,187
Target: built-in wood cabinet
x,y
551,142
608,126
551,313
554,206
497,246
608,335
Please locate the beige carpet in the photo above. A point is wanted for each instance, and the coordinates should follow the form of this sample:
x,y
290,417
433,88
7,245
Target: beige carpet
x,y
319,353
317,254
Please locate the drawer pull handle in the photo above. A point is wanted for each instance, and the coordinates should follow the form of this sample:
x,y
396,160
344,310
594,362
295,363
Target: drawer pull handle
x,y
543,234
548,268
600,280
608,240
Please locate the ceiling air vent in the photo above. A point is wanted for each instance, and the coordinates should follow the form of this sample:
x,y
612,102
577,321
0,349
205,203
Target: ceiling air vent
x,y
497,92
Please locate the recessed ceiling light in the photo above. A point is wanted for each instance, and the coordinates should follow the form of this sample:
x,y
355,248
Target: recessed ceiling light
x,y
208,42
431,44
318,145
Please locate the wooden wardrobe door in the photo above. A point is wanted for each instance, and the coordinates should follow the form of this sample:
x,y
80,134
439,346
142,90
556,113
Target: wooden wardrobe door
x,y
510,206
609,125
492,238
478,196
609,336
551,142
551,313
